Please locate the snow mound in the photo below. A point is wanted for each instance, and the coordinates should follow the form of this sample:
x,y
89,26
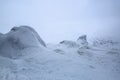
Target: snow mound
x,y
81,42
105,42
18,39
69,44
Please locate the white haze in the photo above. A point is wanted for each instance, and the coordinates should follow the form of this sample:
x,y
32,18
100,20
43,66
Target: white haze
x,y
56,20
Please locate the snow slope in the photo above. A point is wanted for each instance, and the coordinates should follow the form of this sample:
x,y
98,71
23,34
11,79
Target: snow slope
x,y
55,62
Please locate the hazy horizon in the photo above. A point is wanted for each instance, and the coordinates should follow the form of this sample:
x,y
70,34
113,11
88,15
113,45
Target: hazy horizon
x,y
57,20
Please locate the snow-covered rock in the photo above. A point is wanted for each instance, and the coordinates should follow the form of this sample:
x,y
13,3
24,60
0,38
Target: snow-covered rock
x,y
18,39
82,40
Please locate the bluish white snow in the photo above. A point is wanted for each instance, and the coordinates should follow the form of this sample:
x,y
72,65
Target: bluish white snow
x,y
25,56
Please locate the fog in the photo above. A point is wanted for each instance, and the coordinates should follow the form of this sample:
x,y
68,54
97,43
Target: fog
x,y
56,20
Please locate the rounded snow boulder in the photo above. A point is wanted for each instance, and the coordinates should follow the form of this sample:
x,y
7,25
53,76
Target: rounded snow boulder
x,y
18,39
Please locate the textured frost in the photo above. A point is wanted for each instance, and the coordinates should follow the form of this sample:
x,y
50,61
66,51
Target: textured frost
x,y
56,62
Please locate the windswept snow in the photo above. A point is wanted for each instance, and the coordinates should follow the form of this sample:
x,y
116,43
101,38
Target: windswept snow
x,y
69,60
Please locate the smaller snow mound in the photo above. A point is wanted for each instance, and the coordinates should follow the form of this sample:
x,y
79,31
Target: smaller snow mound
x,y
108,44
70,44
59,51
81,42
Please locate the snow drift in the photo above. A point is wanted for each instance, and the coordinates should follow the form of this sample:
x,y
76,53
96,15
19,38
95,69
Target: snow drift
x,y
24,56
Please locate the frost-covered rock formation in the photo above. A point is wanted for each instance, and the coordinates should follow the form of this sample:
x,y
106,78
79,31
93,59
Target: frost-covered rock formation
x,y
82,40
18,39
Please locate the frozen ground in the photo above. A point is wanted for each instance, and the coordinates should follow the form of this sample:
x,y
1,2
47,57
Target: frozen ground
x,y
25,56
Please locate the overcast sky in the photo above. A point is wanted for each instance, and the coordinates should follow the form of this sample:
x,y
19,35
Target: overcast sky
x,y
56,20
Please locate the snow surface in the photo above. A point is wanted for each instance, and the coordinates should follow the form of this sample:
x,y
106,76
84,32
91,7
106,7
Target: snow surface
x,y
36,61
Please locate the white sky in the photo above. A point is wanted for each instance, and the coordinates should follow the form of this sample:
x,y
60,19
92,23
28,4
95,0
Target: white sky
x,y
56,20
